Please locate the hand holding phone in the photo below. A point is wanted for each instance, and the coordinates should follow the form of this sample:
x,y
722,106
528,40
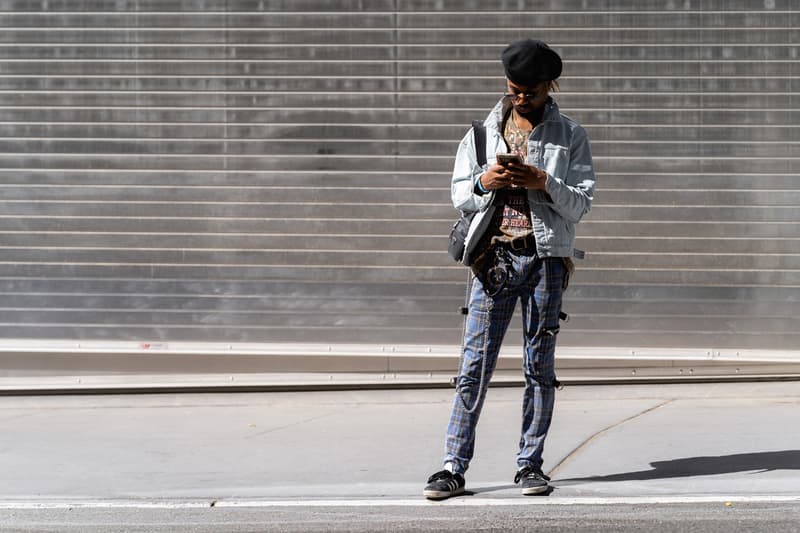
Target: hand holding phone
x,y
505,159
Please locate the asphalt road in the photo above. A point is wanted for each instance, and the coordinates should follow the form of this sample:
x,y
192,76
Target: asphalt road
x,y
705,518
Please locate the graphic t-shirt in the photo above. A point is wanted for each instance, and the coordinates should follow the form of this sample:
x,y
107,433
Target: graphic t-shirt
x,y
515,218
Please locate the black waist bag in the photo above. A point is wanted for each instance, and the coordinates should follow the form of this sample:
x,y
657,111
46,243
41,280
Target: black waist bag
x,y
458,235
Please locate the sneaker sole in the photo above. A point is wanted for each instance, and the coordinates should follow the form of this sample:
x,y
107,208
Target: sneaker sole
x,y
534,490
441,494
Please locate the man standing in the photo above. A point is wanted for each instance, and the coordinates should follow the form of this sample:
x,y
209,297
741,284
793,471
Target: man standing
x,y
519,246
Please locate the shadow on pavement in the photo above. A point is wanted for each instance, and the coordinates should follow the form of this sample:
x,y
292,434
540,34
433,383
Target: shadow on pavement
x,y
495,488
707,466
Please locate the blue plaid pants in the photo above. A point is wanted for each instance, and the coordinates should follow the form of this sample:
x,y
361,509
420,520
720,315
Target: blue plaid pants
x,y
538,284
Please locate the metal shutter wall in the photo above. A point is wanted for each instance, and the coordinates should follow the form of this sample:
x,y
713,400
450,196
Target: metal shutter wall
x,y
278,171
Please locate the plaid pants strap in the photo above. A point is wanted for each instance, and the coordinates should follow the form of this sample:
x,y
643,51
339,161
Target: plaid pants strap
x,y
540,308
487,322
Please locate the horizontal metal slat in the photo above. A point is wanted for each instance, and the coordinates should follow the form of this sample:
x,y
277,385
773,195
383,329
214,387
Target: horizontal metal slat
x,y
659,338
302,86
623,213
202,6
578,35
656,253
372,275
276,195
442,53
222,68
255,334
609,52
201,83
240,320
777,301
601,69
692,229
621,21
233,147
173,320
77,51
381,220
391,164
679,260
703,276
409,180
687,310
267,305
277,178
639,137
291,258
184,20
653,9
272,292
441,310
708,198
704,246
365,109
310,274
204,101
199,241
223,6
221,35
391,255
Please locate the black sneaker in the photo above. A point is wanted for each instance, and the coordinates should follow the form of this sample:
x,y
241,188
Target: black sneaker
x,y
533,480
444,484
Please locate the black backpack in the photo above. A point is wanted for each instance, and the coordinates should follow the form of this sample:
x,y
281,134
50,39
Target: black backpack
x,y
458,235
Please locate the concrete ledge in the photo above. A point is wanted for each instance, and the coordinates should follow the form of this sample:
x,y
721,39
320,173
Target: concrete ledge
x,y
31,357
34,367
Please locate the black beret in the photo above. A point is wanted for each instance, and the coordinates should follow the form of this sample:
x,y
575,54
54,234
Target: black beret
x,y
529,62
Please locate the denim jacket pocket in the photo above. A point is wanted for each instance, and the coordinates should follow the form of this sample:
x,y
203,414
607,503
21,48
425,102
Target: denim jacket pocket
x,y
556,160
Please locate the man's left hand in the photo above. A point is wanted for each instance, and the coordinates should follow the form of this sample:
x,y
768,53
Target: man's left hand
x,y
527,176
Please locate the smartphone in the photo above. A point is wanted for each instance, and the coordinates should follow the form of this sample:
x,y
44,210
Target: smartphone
x,y
505,159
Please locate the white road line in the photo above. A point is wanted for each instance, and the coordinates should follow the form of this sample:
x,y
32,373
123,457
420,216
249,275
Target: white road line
x,y
406,502
104,504
499,502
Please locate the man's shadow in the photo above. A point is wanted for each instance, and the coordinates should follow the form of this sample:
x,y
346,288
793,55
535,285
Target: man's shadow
x,y
705,466
684,467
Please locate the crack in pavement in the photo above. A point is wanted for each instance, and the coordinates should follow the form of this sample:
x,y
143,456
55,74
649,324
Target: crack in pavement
x,y
575,451
293,424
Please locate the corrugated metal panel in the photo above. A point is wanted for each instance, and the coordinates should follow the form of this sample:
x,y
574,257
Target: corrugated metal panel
x,y
275,171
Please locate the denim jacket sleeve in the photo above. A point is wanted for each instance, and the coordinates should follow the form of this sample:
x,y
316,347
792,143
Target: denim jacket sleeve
x,y
466,173
572,196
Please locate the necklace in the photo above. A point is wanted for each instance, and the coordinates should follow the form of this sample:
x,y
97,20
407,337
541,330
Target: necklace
x,y
515,118
516,137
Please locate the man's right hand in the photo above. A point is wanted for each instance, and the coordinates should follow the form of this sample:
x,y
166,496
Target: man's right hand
x,y
497,177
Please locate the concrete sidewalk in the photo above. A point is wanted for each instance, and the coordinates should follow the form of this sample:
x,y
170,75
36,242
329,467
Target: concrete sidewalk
x,y
669,443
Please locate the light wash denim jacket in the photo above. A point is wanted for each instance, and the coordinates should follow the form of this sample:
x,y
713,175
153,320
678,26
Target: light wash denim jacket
x,y
559,146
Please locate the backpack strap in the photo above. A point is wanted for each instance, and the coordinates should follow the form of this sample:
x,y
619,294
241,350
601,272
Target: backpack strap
x,y
479,132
